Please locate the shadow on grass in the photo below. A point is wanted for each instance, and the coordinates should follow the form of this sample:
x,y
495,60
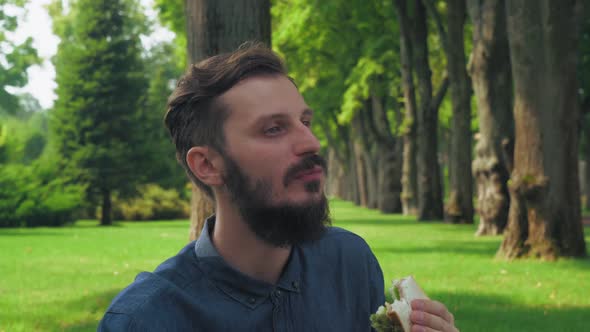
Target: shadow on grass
x,y
390,219
93,305
487,249
359,221
475,312
22,232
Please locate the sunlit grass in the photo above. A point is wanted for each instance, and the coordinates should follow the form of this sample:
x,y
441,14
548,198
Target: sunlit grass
x,y
54,279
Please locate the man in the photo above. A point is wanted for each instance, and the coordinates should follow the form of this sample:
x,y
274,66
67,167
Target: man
x,y
268,260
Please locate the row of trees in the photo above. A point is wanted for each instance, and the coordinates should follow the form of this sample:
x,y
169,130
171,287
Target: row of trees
x,y
393,84
378,72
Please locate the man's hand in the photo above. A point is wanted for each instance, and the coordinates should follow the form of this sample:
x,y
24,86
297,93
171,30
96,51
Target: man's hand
x,y
431,316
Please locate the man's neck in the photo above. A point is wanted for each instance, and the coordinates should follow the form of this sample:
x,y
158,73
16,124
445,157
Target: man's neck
x,y
244,251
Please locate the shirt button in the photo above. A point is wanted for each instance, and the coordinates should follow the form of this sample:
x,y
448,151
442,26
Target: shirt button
x,y
295,284
278,293
251,300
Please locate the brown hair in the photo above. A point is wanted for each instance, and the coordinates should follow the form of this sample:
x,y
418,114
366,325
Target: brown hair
x,y
194,117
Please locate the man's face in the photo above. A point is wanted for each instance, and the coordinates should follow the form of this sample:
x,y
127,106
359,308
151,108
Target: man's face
x,y
271,168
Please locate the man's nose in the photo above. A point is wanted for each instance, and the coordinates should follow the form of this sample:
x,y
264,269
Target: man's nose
x,y
306,142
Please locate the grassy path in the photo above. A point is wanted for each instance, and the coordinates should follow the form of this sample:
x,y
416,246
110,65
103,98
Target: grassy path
x,y
62,279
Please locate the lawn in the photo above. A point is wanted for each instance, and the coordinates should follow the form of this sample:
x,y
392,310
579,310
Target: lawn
x,y
62,279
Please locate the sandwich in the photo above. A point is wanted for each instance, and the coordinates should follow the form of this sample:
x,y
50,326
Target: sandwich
x,y
395,317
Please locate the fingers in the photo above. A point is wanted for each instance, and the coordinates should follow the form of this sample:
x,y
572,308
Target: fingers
x,y
428,315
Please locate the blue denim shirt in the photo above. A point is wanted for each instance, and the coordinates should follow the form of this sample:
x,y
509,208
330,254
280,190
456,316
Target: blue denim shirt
x,y
333,284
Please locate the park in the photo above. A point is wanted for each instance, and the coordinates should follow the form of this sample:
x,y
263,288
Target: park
x,y
456,135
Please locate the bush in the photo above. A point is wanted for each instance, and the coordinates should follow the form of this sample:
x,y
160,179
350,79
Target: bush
x,y
153,203
34,196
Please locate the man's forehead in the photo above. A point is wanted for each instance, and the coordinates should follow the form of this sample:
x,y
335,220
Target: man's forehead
x,y
265,96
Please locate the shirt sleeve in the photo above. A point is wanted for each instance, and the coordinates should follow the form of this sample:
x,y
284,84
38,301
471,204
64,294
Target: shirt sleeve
x,y
377,284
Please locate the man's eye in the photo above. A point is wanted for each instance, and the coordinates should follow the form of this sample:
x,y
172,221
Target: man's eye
x,y
306,123
274,130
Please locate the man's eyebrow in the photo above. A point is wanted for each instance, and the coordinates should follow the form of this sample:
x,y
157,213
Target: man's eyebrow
x,y
280,115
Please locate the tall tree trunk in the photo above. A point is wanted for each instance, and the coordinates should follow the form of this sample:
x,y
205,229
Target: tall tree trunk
x,y
369,154
354,187
587,168
370,160
359,157
430,205
360,175
336,183
492,84
106,218
218,26
544,219
388,156
460,204
337,155
409,169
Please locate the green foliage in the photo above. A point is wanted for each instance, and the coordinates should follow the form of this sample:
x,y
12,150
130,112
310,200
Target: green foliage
x,y
339,52
97,122
172,16
153,203
14,58
35,196
162,71
22,138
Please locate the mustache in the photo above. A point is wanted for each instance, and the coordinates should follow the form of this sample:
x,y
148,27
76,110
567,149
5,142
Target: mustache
x,y
305,164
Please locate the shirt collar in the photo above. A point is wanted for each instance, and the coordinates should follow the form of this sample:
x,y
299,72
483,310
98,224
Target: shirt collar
x,y
242,288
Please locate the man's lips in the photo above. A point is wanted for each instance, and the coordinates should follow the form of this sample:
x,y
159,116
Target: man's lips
x,y
310,174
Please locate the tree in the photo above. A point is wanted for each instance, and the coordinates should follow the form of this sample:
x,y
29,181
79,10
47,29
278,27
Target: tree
x,y
430,206
15,58
459,208
492,84
97,121
584,79
409,176
544,218
218,26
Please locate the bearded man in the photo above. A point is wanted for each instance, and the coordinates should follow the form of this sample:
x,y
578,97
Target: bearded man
x,y
268,260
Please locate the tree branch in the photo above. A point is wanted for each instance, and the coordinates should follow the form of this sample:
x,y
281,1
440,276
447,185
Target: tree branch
x,y
431,7
440,94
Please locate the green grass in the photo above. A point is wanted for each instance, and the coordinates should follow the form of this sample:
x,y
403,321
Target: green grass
x,y
62,279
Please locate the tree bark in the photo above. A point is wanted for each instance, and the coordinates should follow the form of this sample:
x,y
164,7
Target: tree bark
x,y
459,208
354,187
388,157
492,83
544,220
219,26
430,205
587,168
106,218
369,154
409,195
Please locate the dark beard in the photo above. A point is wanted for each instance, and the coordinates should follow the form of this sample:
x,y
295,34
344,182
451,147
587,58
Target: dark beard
x,y
283,224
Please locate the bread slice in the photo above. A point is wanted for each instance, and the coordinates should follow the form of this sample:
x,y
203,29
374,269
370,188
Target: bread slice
x,y
399,311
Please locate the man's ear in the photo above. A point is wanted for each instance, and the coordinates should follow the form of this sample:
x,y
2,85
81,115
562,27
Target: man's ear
x,y
205,164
